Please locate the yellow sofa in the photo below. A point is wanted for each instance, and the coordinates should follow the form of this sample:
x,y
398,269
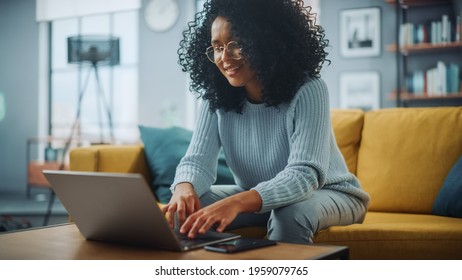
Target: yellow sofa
x,y
401,156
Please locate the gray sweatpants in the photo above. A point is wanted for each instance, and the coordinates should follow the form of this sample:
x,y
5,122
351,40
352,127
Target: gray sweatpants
x,y
298,222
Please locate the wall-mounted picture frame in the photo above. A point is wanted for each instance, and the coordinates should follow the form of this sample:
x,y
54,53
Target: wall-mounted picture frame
x,y
360,32
360,90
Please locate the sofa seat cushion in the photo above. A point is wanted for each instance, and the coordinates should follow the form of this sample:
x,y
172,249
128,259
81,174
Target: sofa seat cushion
x,y
398,236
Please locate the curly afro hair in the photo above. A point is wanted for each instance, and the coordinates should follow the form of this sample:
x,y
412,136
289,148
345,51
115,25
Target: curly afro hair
x,y
280,40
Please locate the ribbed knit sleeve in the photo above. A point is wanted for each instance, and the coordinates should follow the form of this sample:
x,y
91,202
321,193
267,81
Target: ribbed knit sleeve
x,y
199,165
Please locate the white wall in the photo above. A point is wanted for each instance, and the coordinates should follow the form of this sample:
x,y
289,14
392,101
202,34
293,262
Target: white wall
x,y
385,63
162,84
19,82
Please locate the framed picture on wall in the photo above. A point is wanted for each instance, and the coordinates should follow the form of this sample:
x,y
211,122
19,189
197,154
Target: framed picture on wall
x,y
360,32
360,90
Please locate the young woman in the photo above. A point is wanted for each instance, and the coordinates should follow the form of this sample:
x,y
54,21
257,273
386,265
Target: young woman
x,y
257,63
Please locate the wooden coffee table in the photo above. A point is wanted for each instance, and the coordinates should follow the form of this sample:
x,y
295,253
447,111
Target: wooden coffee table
x,y
64,242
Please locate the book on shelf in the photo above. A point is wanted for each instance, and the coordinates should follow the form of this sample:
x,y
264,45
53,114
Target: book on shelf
x,y
458,34
453,78
441,80
458,29
432,32
445,29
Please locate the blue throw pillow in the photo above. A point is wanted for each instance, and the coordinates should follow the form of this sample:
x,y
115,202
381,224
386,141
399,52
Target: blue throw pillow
x,y
164,148
449,199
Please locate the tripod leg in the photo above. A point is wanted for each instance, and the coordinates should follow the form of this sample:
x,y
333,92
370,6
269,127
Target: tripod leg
x,y
105,104
74,124
98,104
49,208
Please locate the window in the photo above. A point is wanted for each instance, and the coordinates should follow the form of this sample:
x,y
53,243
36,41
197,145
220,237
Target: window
x,y
117,84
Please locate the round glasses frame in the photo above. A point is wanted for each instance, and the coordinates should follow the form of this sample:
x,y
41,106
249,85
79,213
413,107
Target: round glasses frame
x,y
215,53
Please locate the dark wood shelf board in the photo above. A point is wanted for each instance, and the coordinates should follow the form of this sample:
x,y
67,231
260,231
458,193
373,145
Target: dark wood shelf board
x,y
426,47
406,96
416,3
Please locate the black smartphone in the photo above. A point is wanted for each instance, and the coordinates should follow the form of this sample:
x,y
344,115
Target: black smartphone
x,y
239,245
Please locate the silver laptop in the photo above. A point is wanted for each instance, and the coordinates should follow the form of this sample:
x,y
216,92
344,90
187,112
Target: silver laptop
x,y
121,208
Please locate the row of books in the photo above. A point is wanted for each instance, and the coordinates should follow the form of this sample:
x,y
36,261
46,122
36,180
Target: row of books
x,y
441,80
434,32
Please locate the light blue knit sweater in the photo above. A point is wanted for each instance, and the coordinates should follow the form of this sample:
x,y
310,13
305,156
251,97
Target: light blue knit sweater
x,y
283,153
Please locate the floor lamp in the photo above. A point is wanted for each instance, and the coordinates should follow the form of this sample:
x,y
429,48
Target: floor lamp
x,y
94,51
91,51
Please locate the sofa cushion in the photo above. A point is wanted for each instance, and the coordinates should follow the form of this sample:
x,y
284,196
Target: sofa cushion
x,y
449,199
164,148
398,236
405,155
347,125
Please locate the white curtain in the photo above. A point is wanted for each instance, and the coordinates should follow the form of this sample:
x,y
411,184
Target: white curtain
x,y
48,10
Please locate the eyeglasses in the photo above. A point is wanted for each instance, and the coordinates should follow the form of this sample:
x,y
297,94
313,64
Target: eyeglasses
x,y
215,53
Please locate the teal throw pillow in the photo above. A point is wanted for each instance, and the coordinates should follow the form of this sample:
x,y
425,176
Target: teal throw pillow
x,y
449,199
164,148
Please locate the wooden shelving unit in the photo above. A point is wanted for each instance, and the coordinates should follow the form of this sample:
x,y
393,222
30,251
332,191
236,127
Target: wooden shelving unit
x,y
56,160
405,53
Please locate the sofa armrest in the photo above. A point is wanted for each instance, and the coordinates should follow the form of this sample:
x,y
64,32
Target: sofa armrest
x,y
110,158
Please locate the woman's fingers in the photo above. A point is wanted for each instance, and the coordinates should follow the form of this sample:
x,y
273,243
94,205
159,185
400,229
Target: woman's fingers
x,y
181,212
194,205
183,203
201,222
170,209
207,225
222,225
198,221
187,207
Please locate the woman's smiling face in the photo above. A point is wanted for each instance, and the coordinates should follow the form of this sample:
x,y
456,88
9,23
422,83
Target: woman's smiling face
x,y
237,72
